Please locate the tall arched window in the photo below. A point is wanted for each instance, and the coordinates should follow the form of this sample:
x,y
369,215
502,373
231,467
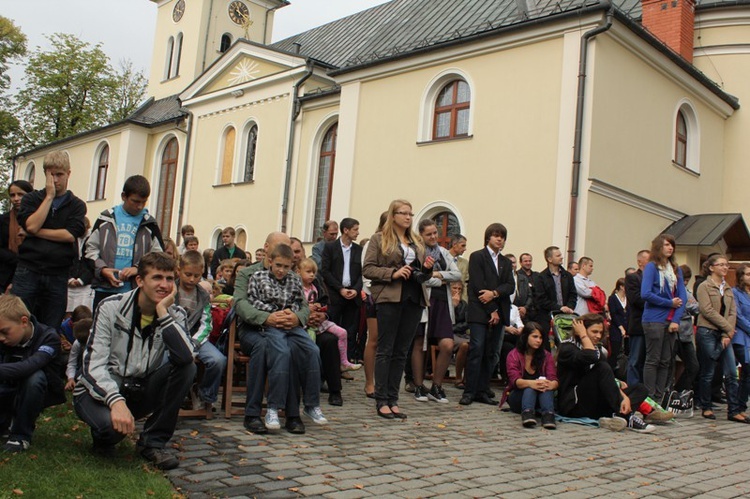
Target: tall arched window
x,y
452,111
686,134
170,51
681,140
31,173
324,185
241,239
226,42
167,179
177,56
447,226
252,144
101,173
227,156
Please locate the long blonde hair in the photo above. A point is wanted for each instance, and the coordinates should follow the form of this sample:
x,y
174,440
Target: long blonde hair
x,y
391,241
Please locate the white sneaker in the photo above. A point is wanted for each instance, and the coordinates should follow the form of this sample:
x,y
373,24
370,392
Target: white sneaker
x,y
615,423
272,419
315,414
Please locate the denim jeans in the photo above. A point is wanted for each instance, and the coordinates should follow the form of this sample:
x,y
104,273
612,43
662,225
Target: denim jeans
x,y
22,404
529,399
305,357
253,344
46,296
484,342
635,359
278,360
214,362
744,389
710,353
659,357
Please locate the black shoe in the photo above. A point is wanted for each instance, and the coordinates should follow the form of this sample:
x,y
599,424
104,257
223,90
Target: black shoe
x,y
335,399
490,393
295,425
254,424
159,457
420,393
385,415
484,399
548,421
527,419
466,399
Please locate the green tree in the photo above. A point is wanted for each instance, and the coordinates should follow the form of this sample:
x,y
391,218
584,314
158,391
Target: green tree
x,y
129,91
12,46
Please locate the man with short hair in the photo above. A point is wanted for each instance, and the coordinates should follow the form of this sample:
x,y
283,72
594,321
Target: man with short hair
x,y
341,270
554,289
228,251
524,298
457,249
636,342
138,361
573,268
52,218
330,232
584,285
119,239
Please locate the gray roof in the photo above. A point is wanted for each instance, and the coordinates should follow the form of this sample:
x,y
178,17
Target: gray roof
x,y
709,229
154,112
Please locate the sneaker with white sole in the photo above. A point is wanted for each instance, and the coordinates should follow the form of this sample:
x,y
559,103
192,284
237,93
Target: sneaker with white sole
x,y
315,414
437,394
16,445
272,419
638,425
615,423
659,416
420,393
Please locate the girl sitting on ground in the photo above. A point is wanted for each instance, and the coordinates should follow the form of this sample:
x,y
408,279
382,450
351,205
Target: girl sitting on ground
x,y
307,270
532,378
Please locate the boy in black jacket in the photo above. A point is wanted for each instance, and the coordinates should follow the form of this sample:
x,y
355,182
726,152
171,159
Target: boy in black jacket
x,y
27,350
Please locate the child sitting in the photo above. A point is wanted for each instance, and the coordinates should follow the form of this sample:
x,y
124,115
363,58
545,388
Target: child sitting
x,y
67,336
197,303
224,271
307,270
229,286
81,331
279,292
532,378
27,351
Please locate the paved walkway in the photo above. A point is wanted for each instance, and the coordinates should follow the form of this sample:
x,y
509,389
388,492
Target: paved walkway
x,y
451,450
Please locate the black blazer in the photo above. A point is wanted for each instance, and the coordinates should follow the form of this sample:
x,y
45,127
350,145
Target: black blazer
x,y
545,296
482,275
635,303
332,270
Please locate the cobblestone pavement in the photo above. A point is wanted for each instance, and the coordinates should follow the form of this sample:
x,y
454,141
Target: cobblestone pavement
x,y
452,450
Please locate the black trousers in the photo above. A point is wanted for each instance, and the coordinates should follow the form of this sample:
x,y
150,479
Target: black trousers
x,y
598,395
345,313
331,361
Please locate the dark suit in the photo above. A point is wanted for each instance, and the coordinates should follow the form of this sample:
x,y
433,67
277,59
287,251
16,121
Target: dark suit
x,y
636,344
545,296
343,312
484,340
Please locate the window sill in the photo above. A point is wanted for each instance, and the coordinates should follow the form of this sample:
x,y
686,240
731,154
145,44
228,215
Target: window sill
x,y
234,183
685,169
176,77
440,141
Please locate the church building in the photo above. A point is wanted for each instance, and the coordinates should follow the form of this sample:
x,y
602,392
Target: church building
x,y
592,125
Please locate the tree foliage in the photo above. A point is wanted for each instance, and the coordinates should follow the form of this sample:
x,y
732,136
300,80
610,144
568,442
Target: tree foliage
x,y
12,46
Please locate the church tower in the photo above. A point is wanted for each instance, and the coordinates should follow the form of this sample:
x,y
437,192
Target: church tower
x,y
192,34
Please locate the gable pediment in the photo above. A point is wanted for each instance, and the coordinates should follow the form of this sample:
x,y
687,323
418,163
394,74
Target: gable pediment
x,y
243,69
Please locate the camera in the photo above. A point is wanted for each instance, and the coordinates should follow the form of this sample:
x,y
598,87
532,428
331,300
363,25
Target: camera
x,y
133,389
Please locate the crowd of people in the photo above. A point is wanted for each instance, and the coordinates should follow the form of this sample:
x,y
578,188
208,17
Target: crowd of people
x,y
118,315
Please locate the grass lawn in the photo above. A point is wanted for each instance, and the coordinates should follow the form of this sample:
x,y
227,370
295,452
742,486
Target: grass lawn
x,y
59,464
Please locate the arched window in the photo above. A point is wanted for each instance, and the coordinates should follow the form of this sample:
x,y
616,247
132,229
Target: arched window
x,y
226,42
227,156
101,173
447,226
252,144
170,51
30,173
177,56
681,140
218,242
452,111
167,179
241,239
324,185
686,135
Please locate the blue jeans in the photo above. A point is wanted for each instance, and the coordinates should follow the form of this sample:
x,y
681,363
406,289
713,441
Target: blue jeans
x,y
744,390
305,368
709,354
214,362
253,344
22,404
46,296
635,360
278,359
484,342
529,399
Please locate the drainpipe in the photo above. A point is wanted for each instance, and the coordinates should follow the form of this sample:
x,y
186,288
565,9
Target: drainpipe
x,y
576,175
181,210
296,109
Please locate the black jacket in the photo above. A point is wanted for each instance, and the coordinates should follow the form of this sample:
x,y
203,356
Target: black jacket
x,y
635,303
524,290
8,259
332,270
51,257
572,365
223,254
483,275
545,296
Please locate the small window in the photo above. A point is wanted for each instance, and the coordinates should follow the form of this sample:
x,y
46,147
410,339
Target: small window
x,y
31,173
170,51
324,186
681,140
252,144
447,226
226,42
452,111
177,56
101,173
227,156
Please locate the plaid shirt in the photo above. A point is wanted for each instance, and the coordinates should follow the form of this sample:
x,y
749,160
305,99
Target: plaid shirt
x,y
269,294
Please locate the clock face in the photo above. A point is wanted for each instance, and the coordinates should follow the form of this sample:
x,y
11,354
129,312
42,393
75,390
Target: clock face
x,y
179,9
239,13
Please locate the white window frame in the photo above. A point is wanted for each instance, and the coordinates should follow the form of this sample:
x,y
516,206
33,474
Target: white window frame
x,y
692,151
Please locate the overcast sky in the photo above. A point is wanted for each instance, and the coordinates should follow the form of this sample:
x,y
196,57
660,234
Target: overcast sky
x,y
125,28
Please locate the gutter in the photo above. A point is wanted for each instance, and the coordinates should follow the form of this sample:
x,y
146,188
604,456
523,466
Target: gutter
x,y
578,140
296,109
183,188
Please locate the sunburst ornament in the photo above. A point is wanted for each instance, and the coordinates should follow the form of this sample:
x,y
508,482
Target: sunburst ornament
x,y
244,71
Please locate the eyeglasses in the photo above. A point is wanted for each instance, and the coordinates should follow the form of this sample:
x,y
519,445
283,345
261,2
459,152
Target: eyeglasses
x,y
404,213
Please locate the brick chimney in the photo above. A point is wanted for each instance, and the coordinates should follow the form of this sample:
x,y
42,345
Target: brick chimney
x,y
672,22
